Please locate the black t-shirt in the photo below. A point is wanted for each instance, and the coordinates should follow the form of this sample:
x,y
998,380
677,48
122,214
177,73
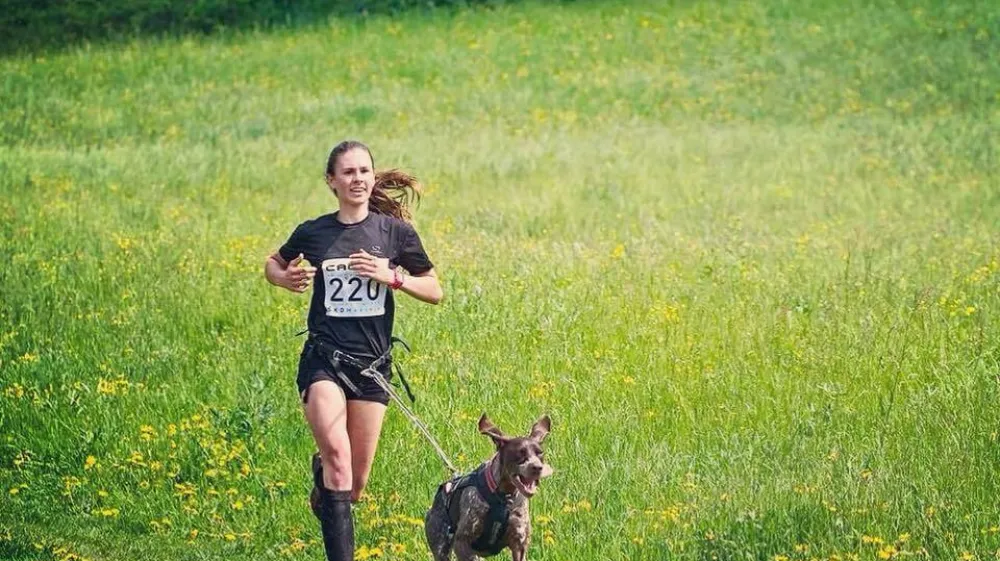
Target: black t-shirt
x,y
351,312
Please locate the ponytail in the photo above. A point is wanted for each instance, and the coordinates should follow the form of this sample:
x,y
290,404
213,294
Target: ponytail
x,y
394,193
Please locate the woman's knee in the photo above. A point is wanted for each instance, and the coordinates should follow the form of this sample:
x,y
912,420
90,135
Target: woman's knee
x,y
336,460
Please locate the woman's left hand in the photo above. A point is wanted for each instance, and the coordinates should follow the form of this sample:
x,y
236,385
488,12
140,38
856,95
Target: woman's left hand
x,y
371,267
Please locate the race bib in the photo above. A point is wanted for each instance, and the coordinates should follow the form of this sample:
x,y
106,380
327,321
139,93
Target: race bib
x,y
349,295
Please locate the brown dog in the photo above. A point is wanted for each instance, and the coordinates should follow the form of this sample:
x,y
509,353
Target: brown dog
x,y
486,511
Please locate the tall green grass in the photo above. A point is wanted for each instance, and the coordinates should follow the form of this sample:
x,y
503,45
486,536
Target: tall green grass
x,y
745,255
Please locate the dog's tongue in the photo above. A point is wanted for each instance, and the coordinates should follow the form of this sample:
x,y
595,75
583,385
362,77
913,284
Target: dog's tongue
x,y
527,486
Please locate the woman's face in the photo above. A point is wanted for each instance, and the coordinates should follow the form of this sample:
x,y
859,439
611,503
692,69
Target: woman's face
x,y
353,177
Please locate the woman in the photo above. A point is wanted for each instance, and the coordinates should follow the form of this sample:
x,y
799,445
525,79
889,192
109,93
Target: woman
x,y
361,250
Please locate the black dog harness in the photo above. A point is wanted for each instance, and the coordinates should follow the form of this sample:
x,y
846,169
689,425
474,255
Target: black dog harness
x,y
490,542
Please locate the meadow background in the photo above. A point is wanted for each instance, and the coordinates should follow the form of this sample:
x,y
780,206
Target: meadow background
x,y
745,254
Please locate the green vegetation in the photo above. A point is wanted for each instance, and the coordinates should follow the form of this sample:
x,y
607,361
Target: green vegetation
x,y
745,254
46,24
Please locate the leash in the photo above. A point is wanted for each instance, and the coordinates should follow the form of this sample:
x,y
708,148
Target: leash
x,y
372,372
336,356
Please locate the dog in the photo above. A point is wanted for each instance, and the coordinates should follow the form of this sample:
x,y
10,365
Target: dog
x,y
484,512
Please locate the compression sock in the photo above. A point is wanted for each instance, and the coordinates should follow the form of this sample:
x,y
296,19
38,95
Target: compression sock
x,y
337,524
315,500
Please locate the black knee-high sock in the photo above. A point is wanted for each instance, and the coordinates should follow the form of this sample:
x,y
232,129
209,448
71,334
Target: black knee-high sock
x,y
315,498
337,524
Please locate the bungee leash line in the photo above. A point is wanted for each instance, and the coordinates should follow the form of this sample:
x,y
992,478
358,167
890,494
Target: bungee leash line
x,y
371,371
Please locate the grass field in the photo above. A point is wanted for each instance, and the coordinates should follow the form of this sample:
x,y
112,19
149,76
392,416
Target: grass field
x,y
744,253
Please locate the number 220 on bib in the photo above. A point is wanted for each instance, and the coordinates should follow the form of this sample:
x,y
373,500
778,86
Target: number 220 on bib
x,y
349,295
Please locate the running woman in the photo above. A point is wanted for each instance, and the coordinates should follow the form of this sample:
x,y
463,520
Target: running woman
x,y
362,250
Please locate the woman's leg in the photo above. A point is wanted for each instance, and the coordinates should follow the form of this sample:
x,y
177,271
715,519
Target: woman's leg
x,y
364,424
326,412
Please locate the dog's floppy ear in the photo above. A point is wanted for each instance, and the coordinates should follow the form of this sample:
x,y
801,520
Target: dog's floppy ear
x,y
540,429
487,427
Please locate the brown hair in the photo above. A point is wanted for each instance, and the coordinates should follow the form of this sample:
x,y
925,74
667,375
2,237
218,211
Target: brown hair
x,y
393,192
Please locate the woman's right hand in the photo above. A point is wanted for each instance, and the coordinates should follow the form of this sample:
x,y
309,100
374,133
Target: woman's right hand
x,y
295,276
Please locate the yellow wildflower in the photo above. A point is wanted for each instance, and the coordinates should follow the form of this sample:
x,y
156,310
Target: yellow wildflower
x,y
887,552
871,540
366,552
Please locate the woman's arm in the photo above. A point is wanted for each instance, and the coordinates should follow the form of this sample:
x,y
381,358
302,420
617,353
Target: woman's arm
x,y
424,287
289,275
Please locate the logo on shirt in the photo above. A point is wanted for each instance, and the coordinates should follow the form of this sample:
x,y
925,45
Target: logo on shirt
x,y
376,250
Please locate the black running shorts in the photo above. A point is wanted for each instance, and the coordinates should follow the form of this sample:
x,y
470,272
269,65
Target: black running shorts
x,y
314,366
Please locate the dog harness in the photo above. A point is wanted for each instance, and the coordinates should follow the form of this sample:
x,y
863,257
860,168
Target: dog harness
x,y
490,542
